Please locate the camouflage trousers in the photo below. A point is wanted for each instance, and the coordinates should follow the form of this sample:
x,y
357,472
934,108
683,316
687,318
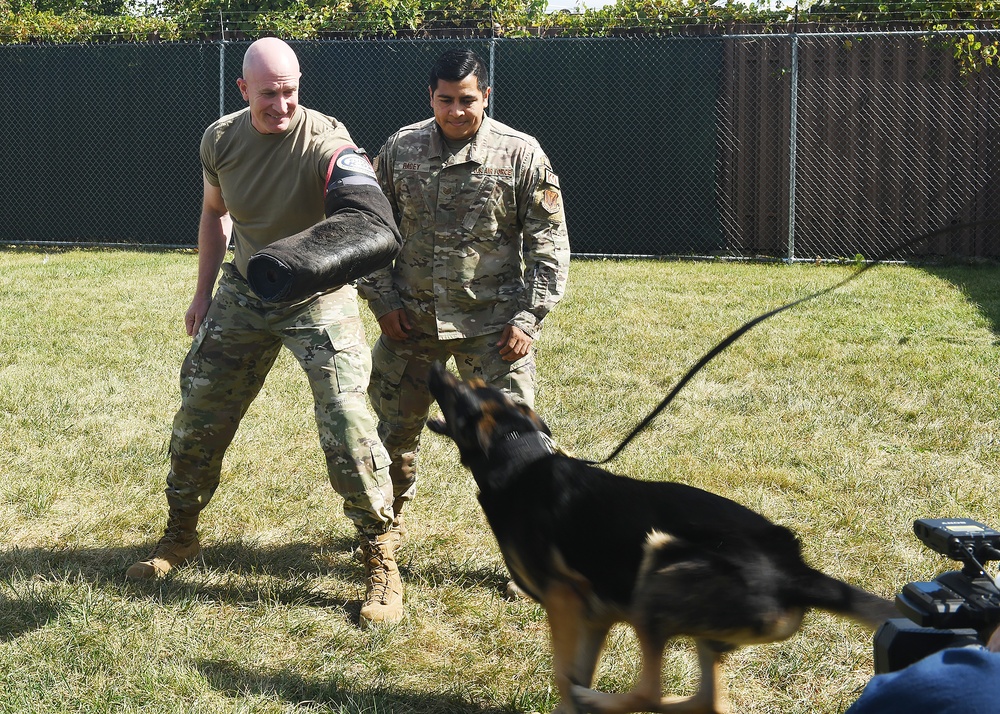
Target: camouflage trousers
x,y
402,400
225,369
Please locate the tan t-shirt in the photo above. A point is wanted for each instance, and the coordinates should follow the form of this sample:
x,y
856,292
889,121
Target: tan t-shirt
x,y
273,184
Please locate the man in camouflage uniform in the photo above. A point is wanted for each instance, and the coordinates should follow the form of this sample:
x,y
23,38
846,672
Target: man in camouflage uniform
x,y
485,256
267,171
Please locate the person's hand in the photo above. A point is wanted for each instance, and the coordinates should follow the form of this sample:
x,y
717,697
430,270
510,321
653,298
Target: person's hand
x,y
395,325
514,343
195,314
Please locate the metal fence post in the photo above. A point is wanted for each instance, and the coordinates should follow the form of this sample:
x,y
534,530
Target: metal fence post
x,y
222,67
222,78
493,56
792,133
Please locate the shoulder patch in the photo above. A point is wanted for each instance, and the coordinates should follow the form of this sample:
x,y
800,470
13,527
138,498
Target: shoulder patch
x,y
550,177
550,200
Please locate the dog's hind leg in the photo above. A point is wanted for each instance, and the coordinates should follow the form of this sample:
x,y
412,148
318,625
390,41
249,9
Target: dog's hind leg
x,y
646,695
710,697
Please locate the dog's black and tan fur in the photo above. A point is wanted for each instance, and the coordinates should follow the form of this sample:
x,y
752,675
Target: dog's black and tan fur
x,y
595,549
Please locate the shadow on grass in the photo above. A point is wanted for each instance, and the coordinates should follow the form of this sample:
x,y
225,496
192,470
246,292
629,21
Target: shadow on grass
x,y
332,693
437,573
231,572
24,614
227,572
287,560
980,285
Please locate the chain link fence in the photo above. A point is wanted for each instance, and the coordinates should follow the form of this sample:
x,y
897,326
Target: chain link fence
x,y
798,146
891,141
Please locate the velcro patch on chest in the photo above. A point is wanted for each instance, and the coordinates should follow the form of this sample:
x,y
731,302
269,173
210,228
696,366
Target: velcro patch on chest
x,y
412,167
504,172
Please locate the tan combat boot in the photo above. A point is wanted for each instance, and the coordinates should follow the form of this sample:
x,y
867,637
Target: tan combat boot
x,y
397,532
383,587
178,545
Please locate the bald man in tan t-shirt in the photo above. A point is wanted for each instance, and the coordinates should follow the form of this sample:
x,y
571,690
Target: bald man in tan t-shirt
x,y
270,171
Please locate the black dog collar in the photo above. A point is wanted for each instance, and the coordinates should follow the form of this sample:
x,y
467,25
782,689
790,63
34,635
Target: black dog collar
x,y
516,451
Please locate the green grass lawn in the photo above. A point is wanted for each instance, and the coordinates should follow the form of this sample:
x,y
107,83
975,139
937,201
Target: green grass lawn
x,y
844,419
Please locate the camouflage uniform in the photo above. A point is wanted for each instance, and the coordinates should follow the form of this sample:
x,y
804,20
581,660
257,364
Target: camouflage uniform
x,y
241,336
484,246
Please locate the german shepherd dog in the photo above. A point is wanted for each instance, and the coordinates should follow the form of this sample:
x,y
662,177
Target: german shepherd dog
x,y
595,549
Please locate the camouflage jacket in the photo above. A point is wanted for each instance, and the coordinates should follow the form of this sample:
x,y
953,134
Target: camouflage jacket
x,y
484,235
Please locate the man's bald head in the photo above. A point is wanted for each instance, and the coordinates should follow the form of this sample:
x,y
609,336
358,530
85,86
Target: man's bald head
x,y
270,84
270,55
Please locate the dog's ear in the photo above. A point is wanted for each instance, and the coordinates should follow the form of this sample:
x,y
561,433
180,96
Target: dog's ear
x,y
536,420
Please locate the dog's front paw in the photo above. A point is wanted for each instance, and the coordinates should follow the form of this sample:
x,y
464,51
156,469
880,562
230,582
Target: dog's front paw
x,y
589,701
568,707
438,425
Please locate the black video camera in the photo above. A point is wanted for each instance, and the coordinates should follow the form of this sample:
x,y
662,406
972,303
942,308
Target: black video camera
x,y
956,609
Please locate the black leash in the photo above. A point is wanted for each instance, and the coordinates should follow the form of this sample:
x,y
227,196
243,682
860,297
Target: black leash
x,y
739,332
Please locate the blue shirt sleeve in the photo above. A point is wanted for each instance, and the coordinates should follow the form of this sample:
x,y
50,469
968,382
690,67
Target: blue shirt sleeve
x,y
952,681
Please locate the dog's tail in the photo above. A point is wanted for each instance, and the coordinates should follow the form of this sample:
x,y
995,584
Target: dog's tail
x,y
819,590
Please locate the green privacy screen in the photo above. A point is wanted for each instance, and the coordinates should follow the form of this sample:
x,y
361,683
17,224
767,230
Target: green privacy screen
x,y
111,153
107,149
